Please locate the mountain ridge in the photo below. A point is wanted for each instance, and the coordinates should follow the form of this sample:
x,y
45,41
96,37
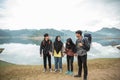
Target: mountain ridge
x,y
104,32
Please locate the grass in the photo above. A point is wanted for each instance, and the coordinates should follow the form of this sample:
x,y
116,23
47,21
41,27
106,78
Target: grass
x,y
99,69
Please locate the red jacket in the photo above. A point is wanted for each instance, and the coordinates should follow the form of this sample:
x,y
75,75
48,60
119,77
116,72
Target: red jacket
x,y
69,52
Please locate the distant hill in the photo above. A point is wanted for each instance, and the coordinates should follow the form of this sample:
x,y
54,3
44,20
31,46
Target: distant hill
x,y
51,32
4,33
104,32
4,63
108,32
14,33
33,36
68,32
29,33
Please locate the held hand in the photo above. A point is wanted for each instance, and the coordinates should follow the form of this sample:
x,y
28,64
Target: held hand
x,y
50,53
64,54
75,54
80,44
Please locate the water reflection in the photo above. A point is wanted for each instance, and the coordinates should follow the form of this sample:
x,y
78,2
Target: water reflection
x,y
29,53
104,42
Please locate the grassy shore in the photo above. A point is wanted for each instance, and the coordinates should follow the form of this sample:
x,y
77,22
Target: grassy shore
x,y
99,69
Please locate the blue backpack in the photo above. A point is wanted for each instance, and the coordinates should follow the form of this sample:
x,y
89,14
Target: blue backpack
x,y
87,40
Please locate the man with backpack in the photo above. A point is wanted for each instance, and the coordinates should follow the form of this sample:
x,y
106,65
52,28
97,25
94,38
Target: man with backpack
x,y
46,49
83,45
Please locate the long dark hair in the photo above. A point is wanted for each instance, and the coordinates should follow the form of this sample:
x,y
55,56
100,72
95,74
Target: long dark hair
x,y
58,44
71,45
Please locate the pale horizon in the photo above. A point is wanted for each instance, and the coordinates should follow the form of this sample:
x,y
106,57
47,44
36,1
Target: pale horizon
x,y
60,30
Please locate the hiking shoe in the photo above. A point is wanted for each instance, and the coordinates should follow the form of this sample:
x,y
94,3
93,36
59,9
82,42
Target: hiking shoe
x,y
50,70
44,70
60,70
67,72
77,76
85,79
71,73
55,70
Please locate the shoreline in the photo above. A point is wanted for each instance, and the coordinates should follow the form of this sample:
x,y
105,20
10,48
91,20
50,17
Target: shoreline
x,y
75,61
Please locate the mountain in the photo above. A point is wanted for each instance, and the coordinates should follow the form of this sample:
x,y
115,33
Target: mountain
x,y
14,33
68,32
108,32
104,32
4,33
29,33
51,32
105,36
28,36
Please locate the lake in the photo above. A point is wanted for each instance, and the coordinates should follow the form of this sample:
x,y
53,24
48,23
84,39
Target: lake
x,y
28,54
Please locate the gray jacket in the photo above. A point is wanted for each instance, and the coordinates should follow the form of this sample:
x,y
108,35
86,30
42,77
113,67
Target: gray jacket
x,y
80,50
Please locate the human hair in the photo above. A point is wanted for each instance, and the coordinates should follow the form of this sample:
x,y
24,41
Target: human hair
x,y
69,40
71,45
56,39
46,34
79,32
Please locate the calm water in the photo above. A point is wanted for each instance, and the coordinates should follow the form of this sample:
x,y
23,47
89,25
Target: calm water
x,y
29,53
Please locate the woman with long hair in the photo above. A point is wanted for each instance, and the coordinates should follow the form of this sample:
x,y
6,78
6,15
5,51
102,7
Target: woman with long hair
x,y
58,53
70,51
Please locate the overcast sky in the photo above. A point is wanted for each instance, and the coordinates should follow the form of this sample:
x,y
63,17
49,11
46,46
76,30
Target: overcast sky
x,y
72,15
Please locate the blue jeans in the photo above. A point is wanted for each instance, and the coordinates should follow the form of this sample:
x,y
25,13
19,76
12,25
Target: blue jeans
x,y
58,62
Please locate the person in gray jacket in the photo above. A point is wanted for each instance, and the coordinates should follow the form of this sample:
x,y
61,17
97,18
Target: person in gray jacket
x,y
82,55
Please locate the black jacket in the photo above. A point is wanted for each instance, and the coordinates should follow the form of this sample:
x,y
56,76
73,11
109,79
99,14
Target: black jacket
x,y
46,47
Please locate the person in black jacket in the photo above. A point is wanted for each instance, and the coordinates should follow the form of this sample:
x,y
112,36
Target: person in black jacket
x,y
46,49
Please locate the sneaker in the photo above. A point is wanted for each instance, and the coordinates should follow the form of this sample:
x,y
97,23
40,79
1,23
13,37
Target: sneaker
x,y
77,76
85,78
44,70
71,73
50,70
67,72
60,70
55,70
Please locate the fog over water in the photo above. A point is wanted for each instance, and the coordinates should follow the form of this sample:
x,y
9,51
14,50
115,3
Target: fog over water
x,y
29,53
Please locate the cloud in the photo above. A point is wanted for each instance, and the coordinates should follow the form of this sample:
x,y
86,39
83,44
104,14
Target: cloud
x,y
61,14
21,54
99,51
105,13
2,7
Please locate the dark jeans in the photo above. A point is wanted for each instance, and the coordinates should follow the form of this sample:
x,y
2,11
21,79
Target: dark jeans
x,y
82,62
70,60
58,62
45,57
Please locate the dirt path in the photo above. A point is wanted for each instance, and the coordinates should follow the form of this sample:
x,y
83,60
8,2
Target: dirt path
x,y
99,69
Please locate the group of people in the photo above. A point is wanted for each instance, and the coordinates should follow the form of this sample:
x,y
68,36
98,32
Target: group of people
x,y
70,49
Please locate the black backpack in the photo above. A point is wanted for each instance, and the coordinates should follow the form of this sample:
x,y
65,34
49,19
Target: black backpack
x,y
87,41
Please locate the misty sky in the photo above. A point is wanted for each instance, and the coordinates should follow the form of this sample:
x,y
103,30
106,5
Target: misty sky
x,y
72,15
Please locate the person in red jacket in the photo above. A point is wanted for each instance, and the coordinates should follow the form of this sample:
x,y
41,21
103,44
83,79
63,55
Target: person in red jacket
x,y
70,51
